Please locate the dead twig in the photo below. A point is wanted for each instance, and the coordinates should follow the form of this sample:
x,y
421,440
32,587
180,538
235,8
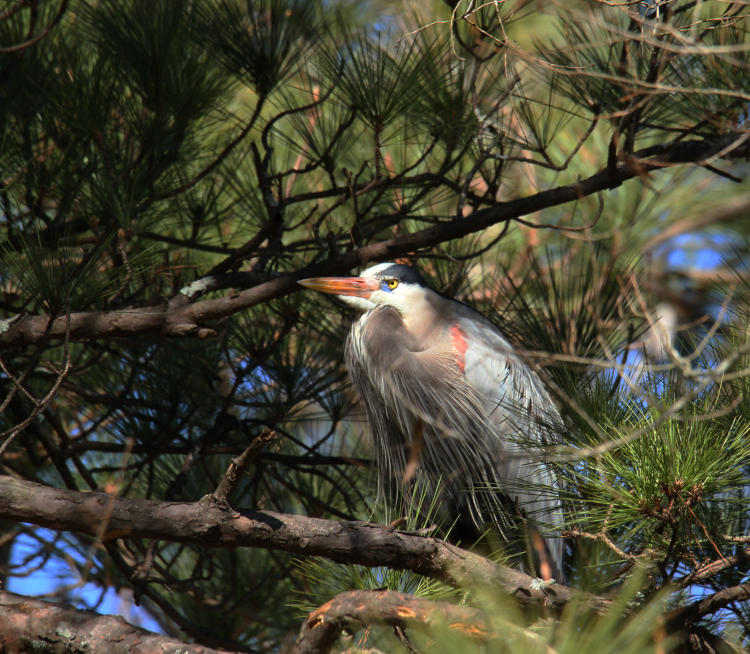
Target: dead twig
x,y
232,476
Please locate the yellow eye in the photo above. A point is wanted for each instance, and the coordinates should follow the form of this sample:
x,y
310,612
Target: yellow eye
x,y
392,283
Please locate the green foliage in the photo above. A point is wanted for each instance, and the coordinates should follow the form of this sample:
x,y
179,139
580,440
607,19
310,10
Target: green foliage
x,y
154,48
324,579
260,42
578,629
613,60
600,70
442,99
668,473
229,147
379,84
60,278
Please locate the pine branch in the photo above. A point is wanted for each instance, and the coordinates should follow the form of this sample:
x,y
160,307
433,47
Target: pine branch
x,y
231,478
715,567
205,523
27,622
358,608
685,617
178,317
709,605
38,37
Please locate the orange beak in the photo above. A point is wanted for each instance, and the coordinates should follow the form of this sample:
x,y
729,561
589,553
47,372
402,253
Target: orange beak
x,y
355,286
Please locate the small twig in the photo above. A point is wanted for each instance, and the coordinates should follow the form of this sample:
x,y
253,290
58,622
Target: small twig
x,y
723,173
142,571
603,538
39,404
32,40
393,526
404,639
703,527
232,476
220,157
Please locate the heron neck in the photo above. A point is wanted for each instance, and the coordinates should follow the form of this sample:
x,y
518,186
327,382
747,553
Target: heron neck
x,y
426,321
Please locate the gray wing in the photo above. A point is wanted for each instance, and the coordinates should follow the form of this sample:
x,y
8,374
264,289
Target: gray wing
x,y
527,423
418,398
475,426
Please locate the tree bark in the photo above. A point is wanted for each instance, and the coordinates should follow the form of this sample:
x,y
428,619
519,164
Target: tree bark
x,y
30,625
205,522
360,608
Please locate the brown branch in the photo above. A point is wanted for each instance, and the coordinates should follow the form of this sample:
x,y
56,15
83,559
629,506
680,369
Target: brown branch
x,y
720,599
31,41
26,623
700,639
179,317
714,567
38,404
360,608
602,537
209,525
232,476
684,616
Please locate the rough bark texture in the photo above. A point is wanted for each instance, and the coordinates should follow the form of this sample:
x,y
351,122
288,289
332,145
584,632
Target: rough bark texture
x,y
360,608
205,522
29,625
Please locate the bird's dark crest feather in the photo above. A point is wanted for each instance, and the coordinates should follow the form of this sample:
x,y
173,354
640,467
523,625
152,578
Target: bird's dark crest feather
x,y
403,273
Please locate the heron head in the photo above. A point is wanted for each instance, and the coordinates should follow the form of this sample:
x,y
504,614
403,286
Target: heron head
x,y
393,284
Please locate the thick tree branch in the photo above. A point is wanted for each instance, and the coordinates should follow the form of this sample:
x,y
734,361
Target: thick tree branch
x,y
179,317
360,608
686,620
30,625
206,523
709,604
714,568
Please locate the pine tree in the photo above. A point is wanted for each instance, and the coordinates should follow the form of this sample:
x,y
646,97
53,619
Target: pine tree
x,y
176,414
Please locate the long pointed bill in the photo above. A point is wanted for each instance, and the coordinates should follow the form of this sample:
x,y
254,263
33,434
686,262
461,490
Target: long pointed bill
x,y
354,286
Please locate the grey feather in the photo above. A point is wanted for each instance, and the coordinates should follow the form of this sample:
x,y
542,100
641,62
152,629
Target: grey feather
x,y
453,408
478,428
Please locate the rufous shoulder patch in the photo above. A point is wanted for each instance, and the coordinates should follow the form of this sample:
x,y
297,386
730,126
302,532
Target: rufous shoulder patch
x,y
460,345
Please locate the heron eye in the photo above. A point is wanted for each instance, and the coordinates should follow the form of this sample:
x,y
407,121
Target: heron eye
x,y
391,284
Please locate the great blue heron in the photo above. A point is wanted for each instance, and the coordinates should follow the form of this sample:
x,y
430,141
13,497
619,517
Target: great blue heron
x,y
447,398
